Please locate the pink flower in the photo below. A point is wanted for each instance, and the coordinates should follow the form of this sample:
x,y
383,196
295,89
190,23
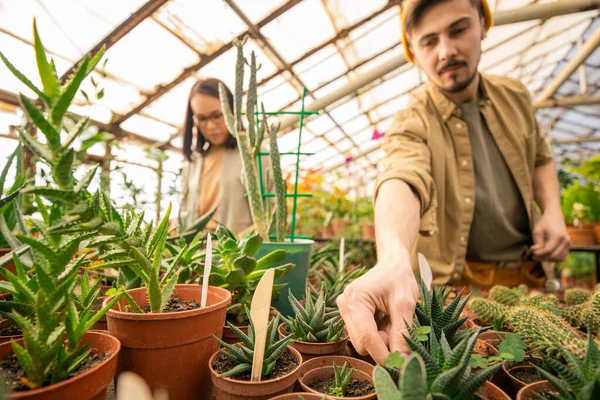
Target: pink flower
x,y
377,134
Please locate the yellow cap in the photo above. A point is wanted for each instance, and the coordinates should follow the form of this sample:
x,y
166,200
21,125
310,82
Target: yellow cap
x,y
487,16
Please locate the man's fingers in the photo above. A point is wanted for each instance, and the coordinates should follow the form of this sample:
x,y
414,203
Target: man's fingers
x,y
369,340
398,330
539,237
551,245
561,252
342,304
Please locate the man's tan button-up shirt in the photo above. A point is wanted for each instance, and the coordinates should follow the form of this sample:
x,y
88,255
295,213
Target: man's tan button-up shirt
x,y
428,147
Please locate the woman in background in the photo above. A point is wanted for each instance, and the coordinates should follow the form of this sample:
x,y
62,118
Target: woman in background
x,y
212,176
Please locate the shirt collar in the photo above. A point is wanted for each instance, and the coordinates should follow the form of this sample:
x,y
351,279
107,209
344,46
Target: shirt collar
x,y
446,107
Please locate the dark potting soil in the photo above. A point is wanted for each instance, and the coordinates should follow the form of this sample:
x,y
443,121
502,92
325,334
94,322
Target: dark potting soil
x,y
525,376
10,330
176,305
355,389
285,364
14,378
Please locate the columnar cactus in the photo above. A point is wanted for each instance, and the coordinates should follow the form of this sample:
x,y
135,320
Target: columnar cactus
x,y
249,144
575,296
487,310
545,332
504,295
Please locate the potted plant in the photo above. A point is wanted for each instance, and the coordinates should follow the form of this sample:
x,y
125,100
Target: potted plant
x,y
57,356
341,207
581,207
339,383
230,367
161,323
580,380
444,372
578,270
238,271
365,214
249,144
316,331
590,170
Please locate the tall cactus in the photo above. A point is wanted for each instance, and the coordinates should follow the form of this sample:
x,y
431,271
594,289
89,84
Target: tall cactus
x,y
249,144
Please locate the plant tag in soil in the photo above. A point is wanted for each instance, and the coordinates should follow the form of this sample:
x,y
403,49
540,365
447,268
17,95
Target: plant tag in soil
x,y
259,313
425,269
207,268
342,256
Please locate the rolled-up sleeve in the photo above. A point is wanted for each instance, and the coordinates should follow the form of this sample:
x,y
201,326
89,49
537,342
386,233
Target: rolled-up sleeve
x,y
407,157
543,154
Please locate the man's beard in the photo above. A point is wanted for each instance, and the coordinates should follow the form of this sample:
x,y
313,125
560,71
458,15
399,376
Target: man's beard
x,y
459,86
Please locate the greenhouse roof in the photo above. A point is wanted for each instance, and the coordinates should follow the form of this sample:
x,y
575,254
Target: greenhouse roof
x,y
347,53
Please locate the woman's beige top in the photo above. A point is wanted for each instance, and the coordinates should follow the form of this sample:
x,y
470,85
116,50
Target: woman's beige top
x,y
210,181
233,209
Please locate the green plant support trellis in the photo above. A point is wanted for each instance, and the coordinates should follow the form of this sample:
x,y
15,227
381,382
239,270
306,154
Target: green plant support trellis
x,y
299,247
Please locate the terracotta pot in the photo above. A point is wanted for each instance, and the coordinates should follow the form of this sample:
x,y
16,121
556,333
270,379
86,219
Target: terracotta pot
x,y
368,231
340,226
231,389
327,361
351,352
324,232
327,372
510,368
90,385
4,339
300,396
582,235
10,266
312,350
491,350
584,283
492,391
171,350
492,337
529,392
597,231
230,337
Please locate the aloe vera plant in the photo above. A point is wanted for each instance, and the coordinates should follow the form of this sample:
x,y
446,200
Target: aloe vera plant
x,y
142,252
312,322
9,213
243,353
236,269
341,380
441,373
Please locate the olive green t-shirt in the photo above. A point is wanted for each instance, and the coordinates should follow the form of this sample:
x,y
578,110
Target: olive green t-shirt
x,y
500,229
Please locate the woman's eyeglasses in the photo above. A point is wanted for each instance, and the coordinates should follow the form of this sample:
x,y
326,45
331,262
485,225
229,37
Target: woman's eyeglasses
x,y
203,120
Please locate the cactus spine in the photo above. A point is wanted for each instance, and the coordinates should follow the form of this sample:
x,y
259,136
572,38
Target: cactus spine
x,y
504,295
249,144
488,311
575,296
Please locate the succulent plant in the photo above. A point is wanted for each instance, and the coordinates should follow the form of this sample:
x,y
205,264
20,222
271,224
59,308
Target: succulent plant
x,y
341,380
586,314
545,331
242,354
312,322
488,311
580,380
575,296
236,269
504,295
442,373
540,300
249,144
430,311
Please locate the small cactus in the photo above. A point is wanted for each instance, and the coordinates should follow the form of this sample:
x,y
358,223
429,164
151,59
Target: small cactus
x,y
575,296
545,331
488,311
504,295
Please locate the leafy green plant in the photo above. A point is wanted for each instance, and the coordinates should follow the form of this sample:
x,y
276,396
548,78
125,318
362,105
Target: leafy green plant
x,y
243,353
341,380
578,265
394,360
236,269
580,380
443,373
581,203
512,347
312,322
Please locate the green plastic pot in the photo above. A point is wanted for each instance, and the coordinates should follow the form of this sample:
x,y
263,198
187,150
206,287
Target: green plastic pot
x,y
299,254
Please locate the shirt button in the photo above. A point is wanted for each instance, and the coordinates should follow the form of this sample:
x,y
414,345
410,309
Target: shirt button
x,y
459,125
456,276
468,200
464,163
463,239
